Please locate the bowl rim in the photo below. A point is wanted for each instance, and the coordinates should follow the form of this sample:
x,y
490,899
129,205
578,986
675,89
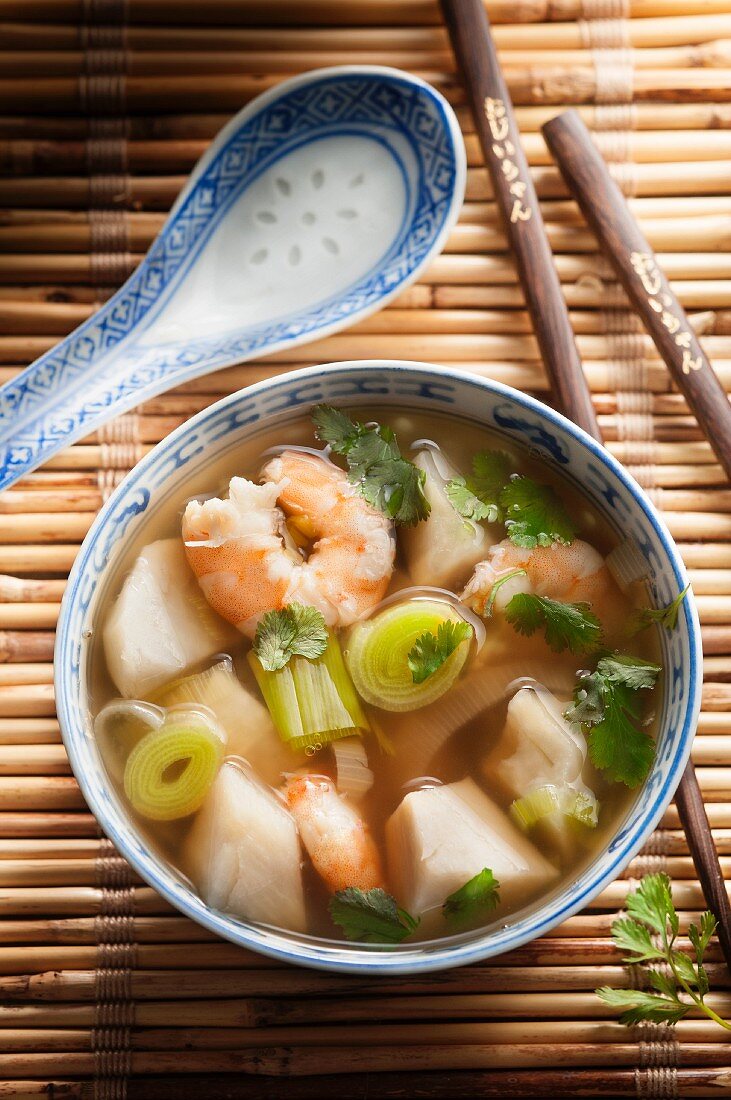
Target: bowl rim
x,y
352,959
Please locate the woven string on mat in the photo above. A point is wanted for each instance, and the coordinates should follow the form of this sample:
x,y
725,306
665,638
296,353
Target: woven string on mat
x,y
103,99
605,31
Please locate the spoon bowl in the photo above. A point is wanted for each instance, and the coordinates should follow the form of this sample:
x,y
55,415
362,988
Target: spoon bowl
x,y
314,207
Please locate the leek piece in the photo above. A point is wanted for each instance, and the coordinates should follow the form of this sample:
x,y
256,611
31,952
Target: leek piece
x,y
543,802
354,777
120,725
312,702
378,650
191,746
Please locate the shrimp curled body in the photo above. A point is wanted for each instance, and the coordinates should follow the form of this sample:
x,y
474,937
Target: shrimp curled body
x,y
572,573
247,563
337,840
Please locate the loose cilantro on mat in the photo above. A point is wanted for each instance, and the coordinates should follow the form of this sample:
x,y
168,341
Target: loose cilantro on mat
x,y
478,496
474,901
370,916
570,626
430,652
534,515
387,480
666,616
649,934
608,705
294,631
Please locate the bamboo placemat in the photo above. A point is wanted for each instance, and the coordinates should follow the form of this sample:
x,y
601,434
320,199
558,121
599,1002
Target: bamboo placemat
x,y
105,106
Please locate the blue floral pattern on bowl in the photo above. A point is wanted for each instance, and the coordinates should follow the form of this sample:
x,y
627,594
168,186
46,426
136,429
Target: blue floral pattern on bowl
x,y
195,446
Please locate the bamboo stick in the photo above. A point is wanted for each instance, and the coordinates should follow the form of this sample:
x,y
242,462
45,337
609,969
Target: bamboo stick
x,y
29,731
28,616
24,901
53,848
33,760
25,645
30,824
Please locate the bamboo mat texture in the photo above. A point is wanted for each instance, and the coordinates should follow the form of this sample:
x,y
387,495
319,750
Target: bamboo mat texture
x,y
105,991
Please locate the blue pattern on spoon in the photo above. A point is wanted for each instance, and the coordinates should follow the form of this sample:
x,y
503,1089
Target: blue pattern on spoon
x,y
278,210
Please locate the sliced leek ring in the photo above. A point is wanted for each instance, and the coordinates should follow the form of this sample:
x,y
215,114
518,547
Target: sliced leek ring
x,y
170,771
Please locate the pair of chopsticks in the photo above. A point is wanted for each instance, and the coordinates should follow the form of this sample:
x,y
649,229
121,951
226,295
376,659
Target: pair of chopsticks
x,y
606,211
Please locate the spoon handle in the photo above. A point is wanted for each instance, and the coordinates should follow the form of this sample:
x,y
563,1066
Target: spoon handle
x,y
469,31
605,209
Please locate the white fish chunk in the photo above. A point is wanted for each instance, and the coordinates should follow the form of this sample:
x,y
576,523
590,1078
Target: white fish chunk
x,y
243,852
440,837
443,549
160,624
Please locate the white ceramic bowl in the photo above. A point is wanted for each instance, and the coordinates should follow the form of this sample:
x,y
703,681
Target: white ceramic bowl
x,y
218,431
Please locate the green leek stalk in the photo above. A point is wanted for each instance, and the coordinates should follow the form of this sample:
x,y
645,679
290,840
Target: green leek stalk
x,y
312,702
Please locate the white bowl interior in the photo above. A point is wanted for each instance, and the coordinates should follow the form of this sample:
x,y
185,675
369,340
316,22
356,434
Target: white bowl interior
x,y
177,468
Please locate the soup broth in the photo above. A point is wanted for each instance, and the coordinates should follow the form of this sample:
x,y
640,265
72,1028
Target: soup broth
x,y
404,730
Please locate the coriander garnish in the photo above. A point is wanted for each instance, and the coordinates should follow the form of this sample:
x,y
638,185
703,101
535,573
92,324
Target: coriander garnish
x,y
371,916
293,631
387,480
570,626
430,652
474,901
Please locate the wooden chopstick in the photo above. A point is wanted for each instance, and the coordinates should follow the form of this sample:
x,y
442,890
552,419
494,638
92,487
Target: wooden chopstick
x,y
603,204
605,209
515,195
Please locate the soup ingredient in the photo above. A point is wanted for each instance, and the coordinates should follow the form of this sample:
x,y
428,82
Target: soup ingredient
x,y
478,496
311,702
505,578
627,564
159,625
570,626
244,853
375,465
293,630
245,567
430,652
419,737
190,746
249,729
534,515
371,916
649,934
538,748
380,652
574,573
442,550
440,837
474,901
607,704
354,777
120,725
548,805
337,840
666,616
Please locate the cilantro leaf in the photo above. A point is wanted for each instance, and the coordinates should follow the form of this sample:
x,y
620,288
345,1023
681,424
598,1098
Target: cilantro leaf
x,y
637,1005
666,616
477,497
370,916
606,704
534,515
473,901
650,933
570,626
293,631
384,478
429,652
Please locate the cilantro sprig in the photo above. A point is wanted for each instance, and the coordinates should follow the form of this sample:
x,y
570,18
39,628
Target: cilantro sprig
x,y
375,465
534,515
490,601
608,705
371,916
649,934
294,631
666,616
571,626
478,496
430,651
472,903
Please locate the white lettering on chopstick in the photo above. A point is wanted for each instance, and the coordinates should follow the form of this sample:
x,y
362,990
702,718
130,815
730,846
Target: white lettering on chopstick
x,y
660,301
504,150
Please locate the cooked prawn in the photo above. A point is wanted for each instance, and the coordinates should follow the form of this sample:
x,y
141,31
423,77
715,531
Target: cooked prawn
x,y
337,840
246,561
572,572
